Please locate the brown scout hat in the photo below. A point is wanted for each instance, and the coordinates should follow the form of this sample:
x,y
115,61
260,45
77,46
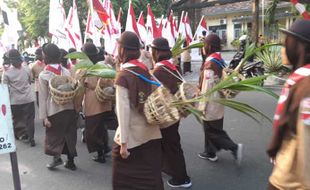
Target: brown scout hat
x,y
129,40
300,29
160,44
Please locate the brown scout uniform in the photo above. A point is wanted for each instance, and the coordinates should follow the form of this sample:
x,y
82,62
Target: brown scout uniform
x,y
173,157
61,137
21,99
215,136
97,116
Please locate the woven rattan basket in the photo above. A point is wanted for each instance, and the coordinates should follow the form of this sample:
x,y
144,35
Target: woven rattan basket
x,y
158,108
105,90
186,92
62,97
228,93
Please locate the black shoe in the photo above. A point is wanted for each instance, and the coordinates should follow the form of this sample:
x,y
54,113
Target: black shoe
x,y
70,165
174,183
24,138
100,159
56,162
206,156
32,143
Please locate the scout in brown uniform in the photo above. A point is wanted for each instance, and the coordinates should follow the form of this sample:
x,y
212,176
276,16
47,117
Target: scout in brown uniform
x,y
173,159
36,69
59,120
96,112
211,72
18,78
137,152
289,148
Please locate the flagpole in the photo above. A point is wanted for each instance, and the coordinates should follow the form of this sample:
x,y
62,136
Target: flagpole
x,y
202,17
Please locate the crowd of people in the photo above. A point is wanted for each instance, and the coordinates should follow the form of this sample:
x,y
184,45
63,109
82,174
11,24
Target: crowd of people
x,y
142,151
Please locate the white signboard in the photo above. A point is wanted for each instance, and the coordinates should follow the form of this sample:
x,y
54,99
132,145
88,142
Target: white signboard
x,y
7,140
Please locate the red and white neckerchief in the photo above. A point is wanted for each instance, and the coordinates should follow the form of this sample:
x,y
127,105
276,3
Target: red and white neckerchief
x,y
294,78
167,64
301,9
216,55
137,63
55,68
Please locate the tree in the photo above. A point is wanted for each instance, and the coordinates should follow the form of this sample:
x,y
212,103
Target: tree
x,y
255,23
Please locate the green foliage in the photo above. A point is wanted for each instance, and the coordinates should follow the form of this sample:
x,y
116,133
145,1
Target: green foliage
x,y
235,43
33,15
90,69
271,57
250,51
177,48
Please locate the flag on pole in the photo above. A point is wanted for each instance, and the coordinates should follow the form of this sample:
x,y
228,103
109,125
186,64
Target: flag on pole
x,y
142,28
112,31
182,27
131,23
202,26
151,24
72,28
57,19
188,29
100,11
11,26
169,31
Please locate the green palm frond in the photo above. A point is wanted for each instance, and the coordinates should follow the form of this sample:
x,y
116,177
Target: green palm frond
x,y
243,108
271,58
197,113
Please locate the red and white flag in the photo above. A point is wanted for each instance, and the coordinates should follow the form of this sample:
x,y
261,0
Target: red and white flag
x,y
169,30
57,19
189,34
142,28
202,26
112,30
72,28
100,11
131,23
182,26
151,24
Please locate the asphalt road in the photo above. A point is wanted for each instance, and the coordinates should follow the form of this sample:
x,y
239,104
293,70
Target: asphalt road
x,y
223,175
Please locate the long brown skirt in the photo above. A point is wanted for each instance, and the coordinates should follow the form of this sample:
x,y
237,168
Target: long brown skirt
x,y
96,133
141,170
23,119
173,157
61,137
